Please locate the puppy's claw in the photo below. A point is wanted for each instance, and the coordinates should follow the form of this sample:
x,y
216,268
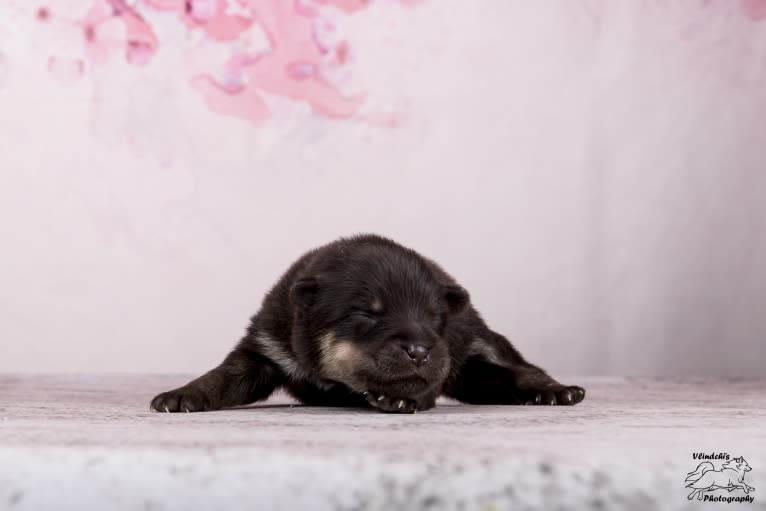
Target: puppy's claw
x,y
401,404
166,409
381,398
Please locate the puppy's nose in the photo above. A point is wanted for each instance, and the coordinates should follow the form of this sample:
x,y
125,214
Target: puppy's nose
x,y
418,354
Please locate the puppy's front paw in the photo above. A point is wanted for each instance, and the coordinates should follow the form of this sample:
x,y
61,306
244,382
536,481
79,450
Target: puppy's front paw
x,y
555,395
185,399
391,404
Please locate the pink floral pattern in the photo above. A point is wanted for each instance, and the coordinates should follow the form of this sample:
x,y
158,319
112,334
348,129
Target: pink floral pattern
x,y
292,63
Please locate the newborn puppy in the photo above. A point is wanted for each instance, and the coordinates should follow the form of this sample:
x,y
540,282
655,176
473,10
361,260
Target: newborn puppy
x,y
364,321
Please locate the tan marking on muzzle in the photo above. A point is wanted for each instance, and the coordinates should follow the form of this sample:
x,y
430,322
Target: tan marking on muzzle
x,y
339,358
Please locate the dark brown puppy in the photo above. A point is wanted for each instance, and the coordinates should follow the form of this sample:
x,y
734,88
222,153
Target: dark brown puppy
x,y
364,321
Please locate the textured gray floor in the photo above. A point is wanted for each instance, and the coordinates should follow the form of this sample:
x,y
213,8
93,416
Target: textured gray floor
x,y
90,442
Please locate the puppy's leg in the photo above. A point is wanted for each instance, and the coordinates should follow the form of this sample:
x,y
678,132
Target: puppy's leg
x,y
496,373
311,395
242,378
342,396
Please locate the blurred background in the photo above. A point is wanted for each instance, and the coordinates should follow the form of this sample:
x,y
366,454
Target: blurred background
x,y
593,172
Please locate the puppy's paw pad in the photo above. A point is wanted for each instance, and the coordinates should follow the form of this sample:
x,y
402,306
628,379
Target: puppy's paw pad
x,y
391,404
577,394
180,400
557,395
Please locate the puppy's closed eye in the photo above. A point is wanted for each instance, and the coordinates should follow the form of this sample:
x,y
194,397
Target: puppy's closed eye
x,y
363,318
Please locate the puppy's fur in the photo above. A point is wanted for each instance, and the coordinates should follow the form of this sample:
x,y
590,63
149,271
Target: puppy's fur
x,y
364,321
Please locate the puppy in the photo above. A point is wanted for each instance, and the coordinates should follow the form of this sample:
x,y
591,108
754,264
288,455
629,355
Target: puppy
x,y
364,321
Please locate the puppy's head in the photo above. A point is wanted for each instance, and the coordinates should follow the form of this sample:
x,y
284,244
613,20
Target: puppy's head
x,y
375,319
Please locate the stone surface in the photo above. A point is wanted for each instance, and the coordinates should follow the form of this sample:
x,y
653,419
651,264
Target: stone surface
x,y
90,442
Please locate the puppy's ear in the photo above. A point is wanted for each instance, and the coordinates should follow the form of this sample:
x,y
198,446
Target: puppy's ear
x,y
457,298
304,291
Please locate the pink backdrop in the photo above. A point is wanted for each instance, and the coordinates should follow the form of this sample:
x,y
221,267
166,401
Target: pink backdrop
x,y
593,172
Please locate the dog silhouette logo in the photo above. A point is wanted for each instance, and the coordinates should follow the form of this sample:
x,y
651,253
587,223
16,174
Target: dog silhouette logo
x,y
706,478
